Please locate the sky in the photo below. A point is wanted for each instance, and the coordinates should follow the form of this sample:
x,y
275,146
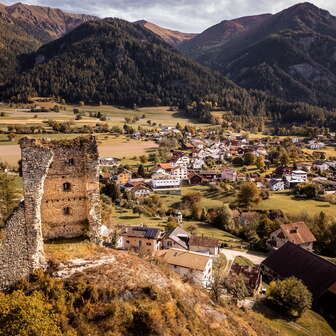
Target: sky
x,y
192,16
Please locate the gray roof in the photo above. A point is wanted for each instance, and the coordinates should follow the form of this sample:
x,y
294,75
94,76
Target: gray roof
x,y
179,236
141,232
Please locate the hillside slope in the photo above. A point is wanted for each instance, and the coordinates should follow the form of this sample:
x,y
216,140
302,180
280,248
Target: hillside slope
x,y
291,54
116,293
24,28
115,62
172,37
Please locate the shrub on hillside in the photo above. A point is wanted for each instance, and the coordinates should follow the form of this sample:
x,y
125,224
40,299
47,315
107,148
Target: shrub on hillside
x,y
290,296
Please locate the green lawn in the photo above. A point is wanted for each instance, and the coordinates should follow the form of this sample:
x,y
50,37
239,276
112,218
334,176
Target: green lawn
x,y
285,202
126,217
310,324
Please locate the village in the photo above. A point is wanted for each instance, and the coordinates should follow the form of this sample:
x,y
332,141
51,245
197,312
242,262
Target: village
x,y
213,162
196,202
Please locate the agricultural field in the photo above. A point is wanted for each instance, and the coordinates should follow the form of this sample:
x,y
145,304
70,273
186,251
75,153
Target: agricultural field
x,y
109,145
115,115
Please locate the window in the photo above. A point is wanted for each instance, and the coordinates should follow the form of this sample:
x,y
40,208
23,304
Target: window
x,y
148,244
127,241
71,162
66,186
66,211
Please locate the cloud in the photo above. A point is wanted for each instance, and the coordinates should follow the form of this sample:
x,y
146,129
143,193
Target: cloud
x,y
184,15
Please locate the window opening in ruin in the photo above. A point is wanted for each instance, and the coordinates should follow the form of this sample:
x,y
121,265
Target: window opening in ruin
x,y
71,162
66,211
66,186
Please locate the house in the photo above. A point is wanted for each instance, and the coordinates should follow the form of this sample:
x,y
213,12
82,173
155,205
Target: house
x,y
204,244
251,274
210,175
295,177
306,166
141,239
124,176
165,182
182,161
108,162
175,238
315,145
277,184
317,273
196,179
191,265
180,172
162,168
246,219
296,233
321,166
141,190
229,174
197,164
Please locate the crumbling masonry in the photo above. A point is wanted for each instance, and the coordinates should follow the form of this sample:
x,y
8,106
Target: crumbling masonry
x,y
61,200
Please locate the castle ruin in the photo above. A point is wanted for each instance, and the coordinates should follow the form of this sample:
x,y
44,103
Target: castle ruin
x,y
61,200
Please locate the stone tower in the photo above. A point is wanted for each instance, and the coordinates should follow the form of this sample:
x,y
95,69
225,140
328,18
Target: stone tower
x,y
61,200
61,186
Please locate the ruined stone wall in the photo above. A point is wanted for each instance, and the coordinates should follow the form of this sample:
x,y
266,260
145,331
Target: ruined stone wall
x,y
14,251
73,211
46,166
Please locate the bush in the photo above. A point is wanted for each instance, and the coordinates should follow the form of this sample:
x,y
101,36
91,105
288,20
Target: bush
x,y
22,315
290,296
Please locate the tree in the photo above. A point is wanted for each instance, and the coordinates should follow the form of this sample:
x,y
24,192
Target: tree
x,y
192,228
290,295
141,170
106,209
248,194
218,277
189,199
11,136
143,159
235,286
112,190
260,162
284,159
223,219
266,227
249,159
22,315
8,196
307,190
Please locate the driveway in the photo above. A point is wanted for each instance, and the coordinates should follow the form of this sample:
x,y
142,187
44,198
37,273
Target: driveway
x,y
256,257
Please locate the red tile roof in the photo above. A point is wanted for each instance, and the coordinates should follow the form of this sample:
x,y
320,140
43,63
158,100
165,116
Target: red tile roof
x,y
298,233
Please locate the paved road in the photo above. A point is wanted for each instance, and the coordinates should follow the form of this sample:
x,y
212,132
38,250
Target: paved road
x,y
256,257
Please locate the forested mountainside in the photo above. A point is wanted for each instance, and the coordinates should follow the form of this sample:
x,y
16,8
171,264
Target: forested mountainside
x,y
115,62
24,28
112,61
291,55
172,37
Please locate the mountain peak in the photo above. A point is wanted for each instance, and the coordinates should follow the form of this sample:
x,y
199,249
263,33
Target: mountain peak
x,y
172,37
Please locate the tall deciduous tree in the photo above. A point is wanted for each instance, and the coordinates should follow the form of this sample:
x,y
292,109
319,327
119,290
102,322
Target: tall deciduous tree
x,y
248,194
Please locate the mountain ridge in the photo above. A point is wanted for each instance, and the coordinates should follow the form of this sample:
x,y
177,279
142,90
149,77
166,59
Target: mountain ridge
x,y
172,37
291,55
116,62
24,28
